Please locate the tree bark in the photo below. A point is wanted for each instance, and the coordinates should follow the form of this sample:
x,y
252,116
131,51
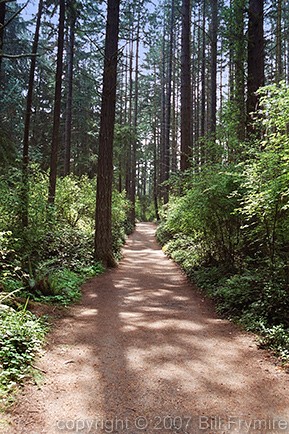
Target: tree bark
x,y
103,214
185,86
239,60
28,113
167,146
214,29
130,118
279,65
2,22
203,78
70,61
163,115
135,122
57,106
255,57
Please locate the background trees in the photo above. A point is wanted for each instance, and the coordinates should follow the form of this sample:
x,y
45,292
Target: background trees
x,y
187,73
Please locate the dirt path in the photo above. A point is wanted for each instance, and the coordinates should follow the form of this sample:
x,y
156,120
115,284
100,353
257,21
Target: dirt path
x,y
143,352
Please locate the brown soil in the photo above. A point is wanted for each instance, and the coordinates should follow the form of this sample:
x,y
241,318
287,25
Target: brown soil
x,y
144,352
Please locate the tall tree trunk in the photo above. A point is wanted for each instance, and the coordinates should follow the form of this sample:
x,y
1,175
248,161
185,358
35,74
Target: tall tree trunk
x,y
103,223
57,106
70,60
28,113
214,30
174,160
279,65
130,119
155,176
186,86
167,146
135,121
155,149
239,60
203,79
255,57
163,115
2,22
231,53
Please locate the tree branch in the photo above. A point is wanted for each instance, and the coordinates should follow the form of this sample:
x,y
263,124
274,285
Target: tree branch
x,y
13,16
17,56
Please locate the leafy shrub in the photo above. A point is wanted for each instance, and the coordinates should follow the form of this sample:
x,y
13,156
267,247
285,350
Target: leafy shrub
x,y
230,228
61,285
210,278
238,293
163,233
21,335
206,214
184,251
276,339
120,210
62,236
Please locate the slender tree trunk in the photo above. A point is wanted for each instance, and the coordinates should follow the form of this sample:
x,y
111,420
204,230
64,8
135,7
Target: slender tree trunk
x,y
231,53
186,86
57,106
255,57
197,109
29,100
239,60
155,179
155,149
2,22
214,30
130,119
169,103
174,162
279,65
163,116
103,223
135,122
203,79
68,119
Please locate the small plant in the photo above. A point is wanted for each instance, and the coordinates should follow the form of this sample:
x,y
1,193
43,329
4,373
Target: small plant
x,y
21,335
60,285
276,339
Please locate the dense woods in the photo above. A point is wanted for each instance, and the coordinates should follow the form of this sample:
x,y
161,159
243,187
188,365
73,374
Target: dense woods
x,y
172,110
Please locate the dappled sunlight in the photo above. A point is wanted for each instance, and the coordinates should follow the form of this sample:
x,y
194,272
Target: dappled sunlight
x,y
89,312
143,342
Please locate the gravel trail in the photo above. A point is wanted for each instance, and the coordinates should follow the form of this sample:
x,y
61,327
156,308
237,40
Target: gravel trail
x,y
143,352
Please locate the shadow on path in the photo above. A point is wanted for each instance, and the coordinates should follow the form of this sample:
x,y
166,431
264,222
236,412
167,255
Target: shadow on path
x,y
144,352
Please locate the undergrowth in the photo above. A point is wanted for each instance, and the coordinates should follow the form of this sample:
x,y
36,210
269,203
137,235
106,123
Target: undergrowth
x,y
21,337
252,298
46,261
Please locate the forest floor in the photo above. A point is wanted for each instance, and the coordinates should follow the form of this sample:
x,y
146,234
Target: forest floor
x,y
144,352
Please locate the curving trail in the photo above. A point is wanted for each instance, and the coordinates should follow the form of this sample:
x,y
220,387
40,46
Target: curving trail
x,y
144,352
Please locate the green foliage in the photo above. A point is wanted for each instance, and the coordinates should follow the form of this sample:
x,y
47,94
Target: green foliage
x,y
238,293
64,236
60,285
144,209
46,261
21,335
120,210
206,214
210,278
277,339
265,202
184,251
230,228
